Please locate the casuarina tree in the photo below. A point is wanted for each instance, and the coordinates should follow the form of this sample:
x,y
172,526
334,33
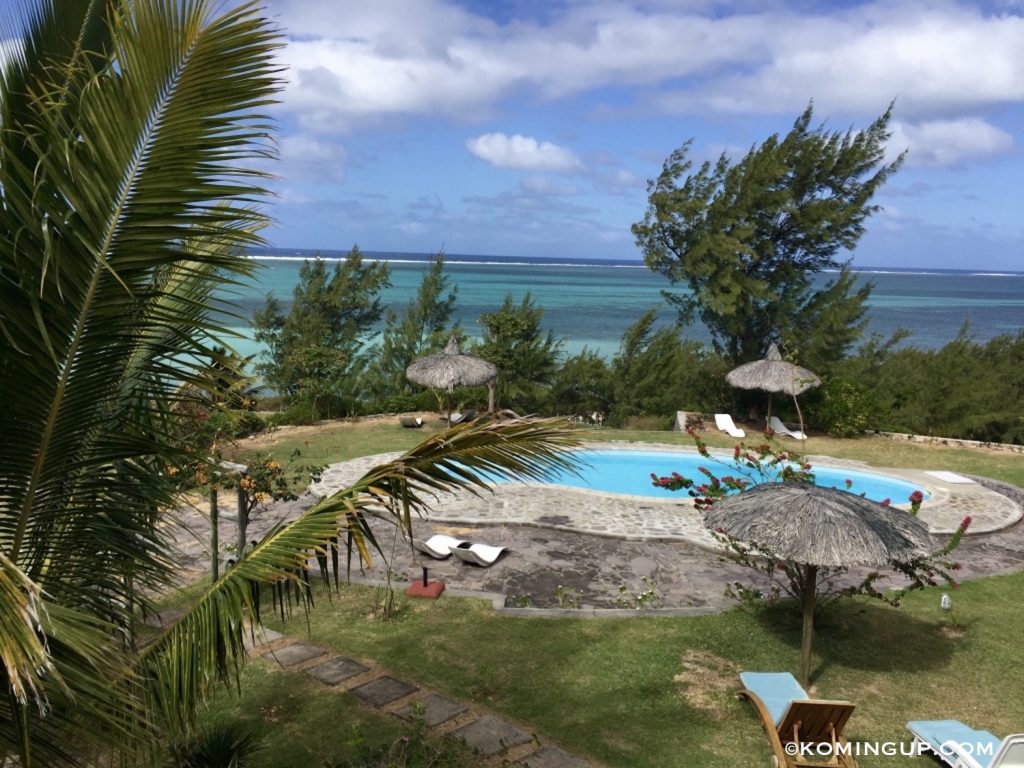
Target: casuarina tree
x,y
314,350
749,238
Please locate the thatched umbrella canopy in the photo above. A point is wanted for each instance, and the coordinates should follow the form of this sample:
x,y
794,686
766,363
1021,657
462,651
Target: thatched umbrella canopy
x,y
818,527
450,369
773,374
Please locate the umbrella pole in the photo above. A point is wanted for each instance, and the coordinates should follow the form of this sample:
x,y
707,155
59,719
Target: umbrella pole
x,y
490,397
768,418
800,416
810,592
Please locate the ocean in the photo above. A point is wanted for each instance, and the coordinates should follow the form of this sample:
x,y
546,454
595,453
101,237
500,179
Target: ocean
x,y
591,303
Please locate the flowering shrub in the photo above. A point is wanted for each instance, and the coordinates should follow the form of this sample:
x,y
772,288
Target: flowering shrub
x,y
752,465
268,480
915,504
769,462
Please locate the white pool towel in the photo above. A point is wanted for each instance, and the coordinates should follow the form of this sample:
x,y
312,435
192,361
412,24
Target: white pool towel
x,y
949,477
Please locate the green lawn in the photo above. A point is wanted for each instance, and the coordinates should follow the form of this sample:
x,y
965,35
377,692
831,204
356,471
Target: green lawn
x,y
654,691
338,440
658,691
302,723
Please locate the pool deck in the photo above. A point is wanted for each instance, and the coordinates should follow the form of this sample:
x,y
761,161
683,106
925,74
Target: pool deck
x,y
602,551
643,518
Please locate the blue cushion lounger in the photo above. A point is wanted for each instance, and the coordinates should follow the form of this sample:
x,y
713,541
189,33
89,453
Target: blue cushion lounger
x,y
789,716
961,746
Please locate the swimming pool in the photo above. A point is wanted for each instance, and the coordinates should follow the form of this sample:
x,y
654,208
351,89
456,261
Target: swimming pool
x,y
629,472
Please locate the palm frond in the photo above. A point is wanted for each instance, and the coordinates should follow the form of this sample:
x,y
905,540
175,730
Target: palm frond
x,y
468,457
128,135
205,646
23,651
83,680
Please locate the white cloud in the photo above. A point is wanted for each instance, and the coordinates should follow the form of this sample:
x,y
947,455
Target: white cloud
x,y
522,153
305,157
335,84
932,61
350,62
947,142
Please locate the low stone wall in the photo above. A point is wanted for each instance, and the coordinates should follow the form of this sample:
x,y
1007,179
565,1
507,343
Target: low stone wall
x,y
952,442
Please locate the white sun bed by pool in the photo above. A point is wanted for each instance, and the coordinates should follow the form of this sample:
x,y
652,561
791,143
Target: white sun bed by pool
x,y
949,477
439,546
483,555
725,423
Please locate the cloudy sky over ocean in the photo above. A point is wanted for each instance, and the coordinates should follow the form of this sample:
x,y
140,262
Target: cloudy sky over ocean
x,y
530,127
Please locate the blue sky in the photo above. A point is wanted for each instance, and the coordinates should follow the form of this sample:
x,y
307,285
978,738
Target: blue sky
x,y
529,128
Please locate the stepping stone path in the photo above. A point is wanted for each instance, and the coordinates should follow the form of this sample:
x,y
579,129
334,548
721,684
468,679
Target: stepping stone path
x,y
490,735
551,757
336,670
433,709
383,691
293,655
497,741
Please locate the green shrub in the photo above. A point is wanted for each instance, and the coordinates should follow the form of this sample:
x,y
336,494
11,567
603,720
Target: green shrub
x,y
424,400
847,409
233,424
299,413
583,385
222,745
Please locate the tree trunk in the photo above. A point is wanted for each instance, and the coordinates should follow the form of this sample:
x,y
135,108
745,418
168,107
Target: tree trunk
x,y
242,518
214,533
810,593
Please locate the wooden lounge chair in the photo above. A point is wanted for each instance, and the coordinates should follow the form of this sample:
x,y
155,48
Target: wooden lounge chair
x,y
961,746
725,423
410,422
776,426
813,726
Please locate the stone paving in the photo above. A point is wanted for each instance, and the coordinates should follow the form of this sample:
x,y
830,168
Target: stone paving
x,y
600,552
581,549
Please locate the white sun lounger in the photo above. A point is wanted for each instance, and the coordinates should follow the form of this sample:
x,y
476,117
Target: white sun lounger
x,y
439,546
458,418
961,746
949,477
724,422
776,425
478,554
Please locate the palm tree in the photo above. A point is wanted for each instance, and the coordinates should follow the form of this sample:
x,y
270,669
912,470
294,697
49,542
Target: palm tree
x,y
130,136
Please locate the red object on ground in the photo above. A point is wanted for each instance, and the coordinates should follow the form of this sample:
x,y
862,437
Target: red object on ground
x,y
432,589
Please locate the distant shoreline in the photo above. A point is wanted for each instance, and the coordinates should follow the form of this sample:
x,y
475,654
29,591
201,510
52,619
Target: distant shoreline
x,y
398,257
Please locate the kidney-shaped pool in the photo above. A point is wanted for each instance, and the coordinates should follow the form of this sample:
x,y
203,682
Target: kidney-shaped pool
x,y
629,472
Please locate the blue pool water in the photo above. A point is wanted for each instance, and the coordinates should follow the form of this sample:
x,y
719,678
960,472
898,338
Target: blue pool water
x,y
629,472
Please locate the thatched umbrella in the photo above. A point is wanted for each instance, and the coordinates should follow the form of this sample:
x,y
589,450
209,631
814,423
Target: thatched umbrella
x,y
773,374
818,527
450,369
